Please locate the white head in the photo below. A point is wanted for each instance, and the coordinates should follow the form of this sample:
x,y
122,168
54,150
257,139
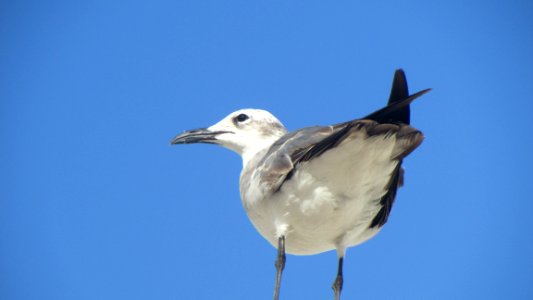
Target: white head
x,y
246,131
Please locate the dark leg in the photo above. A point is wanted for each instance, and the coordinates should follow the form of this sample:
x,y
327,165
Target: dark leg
x,y
337,284
280,265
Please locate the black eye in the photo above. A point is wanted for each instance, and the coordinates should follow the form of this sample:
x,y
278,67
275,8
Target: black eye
x,y
241,118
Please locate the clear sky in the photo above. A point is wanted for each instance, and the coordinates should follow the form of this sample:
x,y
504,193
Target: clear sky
x,y
95,203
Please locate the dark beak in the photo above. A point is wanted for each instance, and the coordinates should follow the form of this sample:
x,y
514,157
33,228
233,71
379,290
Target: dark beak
x,y
201,135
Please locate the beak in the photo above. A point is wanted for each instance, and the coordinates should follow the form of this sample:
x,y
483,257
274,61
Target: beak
x,y
201,135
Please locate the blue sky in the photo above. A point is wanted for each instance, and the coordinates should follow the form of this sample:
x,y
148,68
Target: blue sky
x,y
95,203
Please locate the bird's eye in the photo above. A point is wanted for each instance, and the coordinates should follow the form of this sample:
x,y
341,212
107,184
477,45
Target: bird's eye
x,y
241,118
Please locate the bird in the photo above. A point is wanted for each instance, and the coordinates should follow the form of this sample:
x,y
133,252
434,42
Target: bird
x,y
318,188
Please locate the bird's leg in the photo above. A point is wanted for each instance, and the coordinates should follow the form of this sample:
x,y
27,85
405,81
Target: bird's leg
x,y
337,284
280,265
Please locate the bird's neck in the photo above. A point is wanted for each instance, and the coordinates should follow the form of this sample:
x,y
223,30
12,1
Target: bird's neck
x,y
248,153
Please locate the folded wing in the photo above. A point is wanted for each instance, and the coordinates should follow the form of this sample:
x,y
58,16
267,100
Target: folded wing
x,y
295,148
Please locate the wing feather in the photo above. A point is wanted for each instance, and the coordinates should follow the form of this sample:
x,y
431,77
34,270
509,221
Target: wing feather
x,y
285,155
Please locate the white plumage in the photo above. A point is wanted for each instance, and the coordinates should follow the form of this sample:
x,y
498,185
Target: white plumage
x,y
318,188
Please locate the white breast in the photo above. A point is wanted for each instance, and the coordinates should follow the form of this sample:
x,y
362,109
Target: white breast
x,y
329,201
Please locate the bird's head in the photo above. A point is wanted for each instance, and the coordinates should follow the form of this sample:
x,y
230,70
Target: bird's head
x,y
246,131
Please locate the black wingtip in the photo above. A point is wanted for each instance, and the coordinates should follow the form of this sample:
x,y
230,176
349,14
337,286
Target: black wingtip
x,y
389,112
399,91
397,109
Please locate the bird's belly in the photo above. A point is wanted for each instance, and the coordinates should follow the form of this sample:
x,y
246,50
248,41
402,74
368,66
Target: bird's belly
x,y
315,218
329,202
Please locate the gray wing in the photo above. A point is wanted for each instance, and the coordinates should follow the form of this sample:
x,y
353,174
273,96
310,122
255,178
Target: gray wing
x,y
284,156
282,159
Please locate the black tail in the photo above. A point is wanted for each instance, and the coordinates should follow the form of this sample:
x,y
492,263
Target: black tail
x,y
397,109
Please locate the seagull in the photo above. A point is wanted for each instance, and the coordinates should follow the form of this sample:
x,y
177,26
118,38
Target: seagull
x,y
318,188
